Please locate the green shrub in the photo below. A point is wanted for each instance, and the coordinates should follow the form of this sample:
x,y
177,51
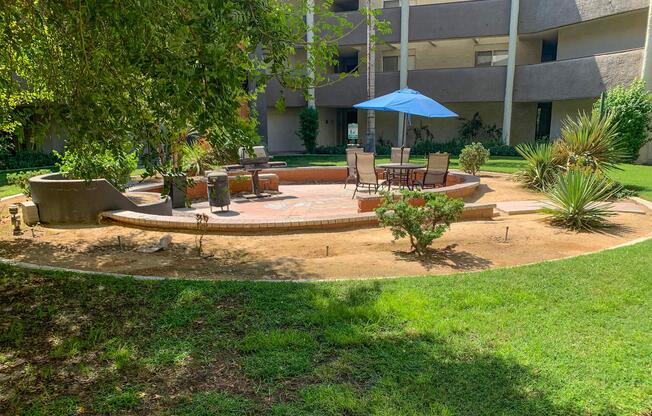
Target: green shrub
x,y
330,150
21,179
541,165
473,157
309,128
475,130
25,159
422,224
591,142
87,162
195,158
631,108
575,195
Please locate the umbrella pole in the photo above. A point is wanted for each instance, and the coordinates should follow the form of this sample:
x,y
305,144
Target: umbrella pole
x,y
404,133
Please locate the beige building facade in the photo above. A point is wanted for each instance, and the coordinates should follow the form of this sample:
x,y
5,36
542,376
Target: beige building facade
x,y
566,53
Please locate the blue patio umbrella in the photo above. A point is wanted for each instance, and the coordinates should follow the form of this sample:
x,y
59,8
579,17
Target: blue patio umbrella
x,y
407,101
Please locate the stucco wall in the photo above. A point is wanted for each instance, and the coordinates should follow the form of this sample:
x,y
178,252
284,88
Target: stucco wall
x,y
563,109
540,15
523,124
281,128
327,127
611,34
450,53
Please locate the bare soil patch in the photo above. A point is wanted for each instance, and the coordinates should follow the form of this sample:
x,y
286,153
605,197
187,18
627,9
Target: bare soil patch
x,y
359,253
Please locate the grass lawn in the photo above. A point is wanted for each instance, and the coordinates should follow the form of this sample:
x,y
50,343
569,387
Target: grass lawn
x,y
5,189
564,338
497,164
634,177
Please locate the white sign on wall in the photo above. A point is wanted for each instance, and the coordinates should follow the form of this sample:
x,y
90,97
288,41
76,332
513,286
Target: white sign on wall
x,y
352,132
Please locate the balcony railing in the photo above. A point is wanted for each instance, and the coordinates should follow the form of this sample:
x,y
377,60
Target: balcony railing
x,y
540,15
576,78
445,85
439,21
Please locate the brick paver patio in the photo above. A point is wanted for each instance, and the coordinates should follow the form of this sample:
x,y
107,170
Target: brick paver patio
x,y
295,202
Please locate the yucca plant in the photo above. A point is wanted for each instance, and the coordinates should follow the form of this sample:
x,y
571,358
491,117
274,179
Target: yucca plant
x,y
591,142
578,199
541,165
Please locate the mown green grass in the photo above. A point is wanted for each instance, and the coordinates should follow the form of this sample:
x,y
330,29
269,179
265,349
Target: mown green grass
x,y
497,164
635,177
564,338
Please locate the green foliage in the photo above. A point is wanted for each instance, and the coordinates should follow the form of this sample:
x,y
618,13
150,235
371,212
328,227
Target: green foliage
x,y
475,130
631,108
575,196
309,128
88,162
21,179
591,142
25,159
453,147
473,157
330,150
196,158
115,75
541,165
421,223
226,142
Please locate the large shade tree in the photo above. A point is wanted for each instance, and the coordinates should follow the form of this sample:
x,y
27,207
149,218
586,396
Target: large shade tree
x,y
117,75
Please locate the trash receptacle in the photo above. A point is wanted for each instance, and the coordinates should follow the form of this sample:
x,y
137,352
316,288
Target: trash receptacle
x,y
218,190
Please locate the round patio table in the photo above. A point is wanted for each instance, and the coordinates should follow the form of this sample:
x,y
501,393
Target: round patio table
x,y
400,173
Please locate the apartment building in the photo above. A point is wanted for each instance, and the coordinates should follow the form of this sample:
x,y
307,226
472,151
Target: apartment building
x,y
523,65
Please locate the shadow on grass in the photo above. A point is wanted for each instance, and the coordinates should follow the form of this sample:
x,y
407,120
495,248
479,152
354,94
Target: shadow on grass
x,y
179,347
446,257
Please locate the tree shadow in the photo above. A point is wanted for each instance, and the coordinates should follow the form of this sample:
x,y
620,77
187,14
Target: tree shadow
x,y
446,257
390,369
177,260
168,341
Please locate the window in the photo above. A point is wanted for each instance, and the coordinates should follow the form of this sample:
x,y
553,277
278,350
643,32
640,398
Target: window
x,y
491,58
345,6
544,119
391,3
549,50
346,62
391,63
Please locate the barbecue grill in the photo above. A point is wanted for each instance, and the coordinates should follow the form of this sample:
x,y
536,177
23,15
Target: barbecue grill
x,y
260,160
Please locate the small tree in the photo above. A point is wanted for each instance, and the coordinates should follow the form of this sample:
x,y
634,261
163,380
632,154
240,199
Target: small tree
x,y
309,128
422,223
473,157
631,108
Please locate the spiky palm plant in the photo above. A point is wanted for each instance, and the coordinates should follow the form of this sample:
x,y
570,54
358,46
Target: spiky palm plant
x,y
541,165
578,199
591,142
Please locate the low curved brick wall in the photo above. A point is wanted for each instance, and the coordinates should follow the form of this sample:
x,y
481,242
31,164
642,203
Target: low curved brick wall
x,y
458,185
65,201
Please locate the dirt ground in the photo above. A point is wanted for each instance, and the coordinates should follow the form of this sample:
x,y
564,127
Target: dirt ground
x,y
359,253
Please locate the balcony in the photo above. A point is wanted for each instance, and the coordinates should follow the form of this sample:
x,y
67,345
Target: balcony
x,y
576,78
445,85
292,98
439,21
539,15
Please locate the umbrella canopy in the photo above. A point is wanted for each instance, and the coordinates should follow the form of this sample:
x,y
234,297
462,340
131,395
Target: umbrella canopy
x,y
409,102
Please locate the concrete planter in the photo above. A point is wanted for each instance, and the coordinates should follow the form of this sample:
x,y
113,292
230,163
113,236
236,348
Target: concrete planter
x,y
72,201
